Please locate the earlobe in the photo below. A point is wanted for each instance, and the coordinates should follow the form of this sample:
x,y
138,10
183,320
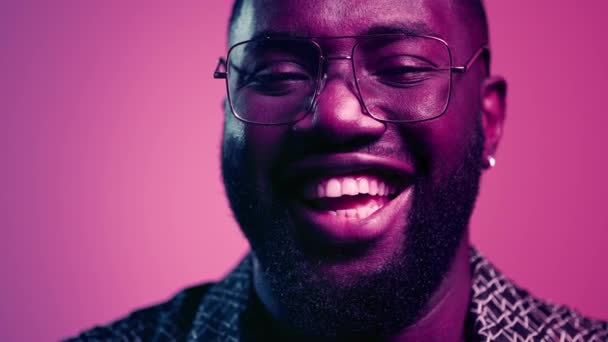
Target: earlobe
x,y
493,111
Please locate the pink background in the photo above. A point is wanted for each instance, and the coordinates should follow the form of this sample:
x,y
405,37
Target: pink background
x,y
110,193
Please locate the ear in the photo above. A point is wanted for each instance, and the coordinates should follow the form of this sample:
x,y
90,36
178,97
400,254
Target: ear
x,y
493,111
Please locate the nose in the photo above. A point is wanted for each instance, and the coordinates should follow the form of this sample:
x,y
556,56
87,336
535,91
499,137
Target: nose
x,y
338,117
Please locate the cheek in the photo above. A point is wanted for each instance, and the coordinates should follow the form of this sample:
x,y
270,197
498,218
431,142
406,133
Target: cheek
x,y
443,144
263,145
450,139
456,131
259,144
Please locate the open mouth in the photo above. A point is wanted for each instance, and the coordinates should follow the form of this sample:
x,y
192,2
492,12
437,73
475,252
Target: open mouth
x,y
351,197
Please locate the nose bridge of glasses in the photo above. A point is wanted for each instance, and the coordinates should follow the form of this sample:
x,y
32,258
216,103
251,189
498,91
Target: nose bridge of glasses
x,y
336,67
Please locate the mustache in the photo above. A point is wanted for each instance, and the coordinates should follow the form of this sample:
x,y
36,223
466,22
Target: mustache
x,y
388,147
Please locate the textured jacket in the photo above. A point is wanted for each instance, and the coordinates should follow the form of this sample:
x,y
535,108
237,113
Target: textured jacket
x,y
499,311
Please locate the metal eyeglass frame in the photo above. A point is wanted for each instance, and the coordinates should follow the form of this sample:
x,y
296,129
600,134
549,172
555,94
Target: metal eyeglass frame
x,y
222,63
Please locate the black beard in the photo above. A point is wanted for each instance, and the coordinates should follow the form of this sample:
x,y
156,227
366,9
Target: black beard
x,y
369,307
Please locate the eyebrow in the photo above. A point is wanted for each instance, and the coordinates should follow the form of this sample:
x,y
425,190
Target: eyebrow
x,y
412,28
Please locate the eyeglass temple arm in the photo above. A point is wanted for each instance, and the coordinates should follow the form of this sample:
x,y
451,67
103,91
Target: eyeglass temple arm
x,y
221,65
463,69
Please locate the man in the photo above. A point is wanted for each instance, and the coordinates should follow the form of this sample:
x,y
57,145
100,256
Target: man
x,y
355,136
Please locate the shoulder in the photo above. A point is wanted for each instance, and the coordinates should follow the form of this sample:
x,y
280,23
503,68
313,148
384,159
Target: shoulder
x,y
169,320
500,309
207,312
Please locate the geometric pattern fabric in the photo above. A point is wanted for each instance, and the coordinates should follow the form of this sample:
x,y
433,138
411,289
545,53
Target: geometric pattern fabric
x,y
499,311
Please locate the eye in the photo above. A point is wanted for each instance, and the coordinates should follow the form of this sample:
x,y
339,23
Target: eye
x,y
278,79
279,83
401,70
404,75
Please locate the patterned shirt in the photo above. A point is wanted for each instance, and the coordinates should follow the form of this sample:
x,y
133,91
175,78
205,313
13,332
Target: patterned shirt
x,y
499,311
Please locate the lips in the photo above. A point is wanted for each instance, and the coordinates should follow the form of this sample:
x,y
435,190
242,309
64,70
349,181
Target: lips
x,y
346,198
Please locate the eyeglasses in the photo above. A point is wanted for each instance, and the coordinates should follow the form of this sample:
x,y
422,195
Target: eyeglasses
x,y
398,77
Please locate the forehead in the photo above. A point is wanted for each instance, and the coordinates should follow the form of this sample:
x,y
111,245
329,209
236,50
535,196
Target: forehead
x,y
341,17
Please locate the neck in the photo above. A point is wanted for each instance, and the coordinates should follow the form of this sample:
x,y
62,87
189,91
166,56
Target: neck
x,y
444,316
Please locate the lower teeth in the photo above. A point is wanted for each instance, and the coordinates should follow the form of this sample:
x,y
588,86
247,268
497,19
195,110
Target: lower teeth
x,y
358,213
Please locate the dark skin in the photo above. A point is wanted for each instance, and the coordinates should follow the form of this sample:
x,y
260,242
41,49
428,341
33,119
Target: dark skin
x,y
433,150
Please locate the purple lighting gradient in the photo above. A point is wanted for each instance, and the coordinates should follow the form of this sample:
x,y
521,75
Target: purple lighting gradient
x,y
110,128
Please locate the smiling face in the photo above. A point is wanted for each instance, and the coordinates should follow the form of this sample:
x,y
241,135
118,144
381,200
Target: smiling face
x,y
354,222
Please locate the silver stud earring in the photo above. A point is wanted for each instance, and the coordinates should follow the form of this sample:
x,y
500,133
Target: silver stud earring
x,y
491,161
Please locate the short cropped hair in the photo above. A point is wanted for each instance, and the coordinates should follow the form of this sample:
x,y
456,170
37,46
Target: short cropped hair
x,y
472,13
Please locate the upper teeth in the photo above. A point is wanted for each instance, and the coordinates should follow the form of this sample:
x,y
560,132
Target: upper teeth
x,y
349,185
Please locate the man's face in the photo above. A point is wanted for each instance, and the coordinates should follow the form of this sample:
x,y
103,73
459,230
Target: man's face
x,y
339,258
